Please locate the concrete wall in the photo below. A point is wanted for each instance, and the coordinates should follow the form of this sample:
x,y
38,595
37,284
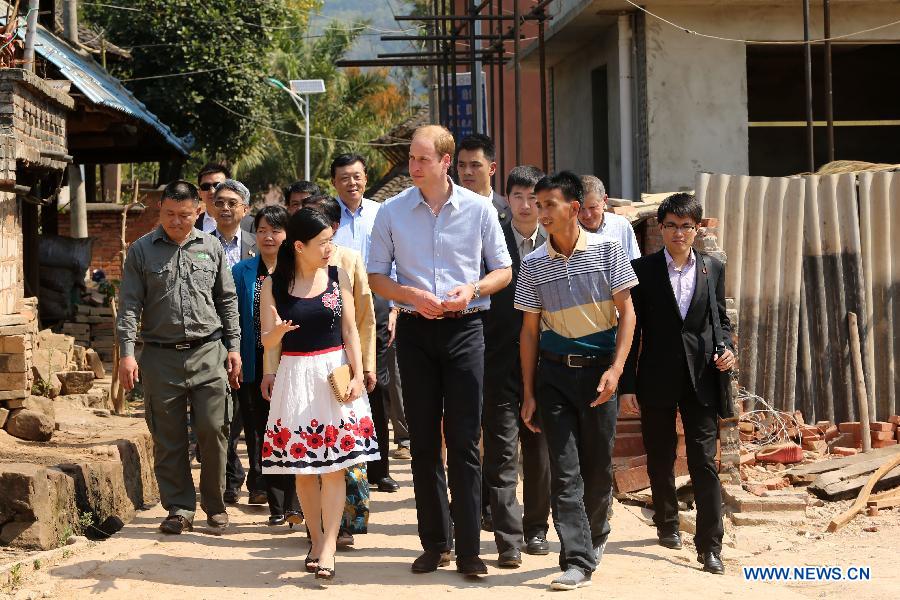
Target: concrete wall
x,y
696,87
572,106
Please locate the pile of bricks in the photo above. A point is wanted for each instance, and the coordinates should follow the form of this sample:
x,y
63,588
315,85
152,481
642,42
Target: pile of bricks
x,y
883,434
93,328
17,335
630,457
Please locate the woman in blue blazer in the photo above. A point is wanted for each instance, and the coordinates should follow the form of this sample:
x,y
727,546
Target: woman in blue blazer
x,y
278,490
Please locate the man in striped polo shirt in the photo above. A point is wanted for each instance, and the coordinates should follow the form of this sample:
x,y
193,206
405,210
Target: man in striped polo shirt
x,y
575,293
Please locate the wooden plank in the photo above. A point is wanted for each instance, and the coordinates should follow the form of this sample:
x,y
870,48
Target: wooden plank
x,y
839,463
849,472
889,467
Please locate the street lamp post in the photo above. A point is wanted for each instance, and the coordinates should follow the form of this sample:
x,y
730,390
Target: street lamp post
x,y
300,90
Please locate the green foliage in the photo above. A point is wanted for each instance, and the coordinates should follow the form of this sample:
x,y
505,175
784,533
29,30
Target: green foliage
x,y
228,105
225,41
357,107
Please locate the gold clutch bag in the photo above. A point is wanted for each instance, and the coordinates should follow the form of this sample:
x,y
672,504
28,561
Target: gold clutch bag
x,y
339,379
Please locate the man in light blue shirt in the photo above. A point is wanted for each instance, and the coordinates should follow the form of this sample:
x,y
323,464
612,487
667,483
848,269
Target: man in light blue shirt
x,y
593,217
450,255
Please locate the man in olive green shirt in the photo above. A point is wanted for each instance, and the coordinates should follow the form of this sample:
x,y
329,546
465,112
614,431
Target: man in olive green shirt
x,y
178,286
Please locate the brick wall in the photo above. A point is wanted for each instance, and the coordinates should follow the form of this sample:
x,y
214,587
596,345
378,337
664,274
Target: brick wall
x,y
105,227
32,135
11,289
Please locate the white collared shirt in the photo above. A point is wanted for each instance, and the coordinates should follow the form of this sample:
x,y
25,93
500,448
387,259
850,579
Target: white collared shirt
x,y
683,281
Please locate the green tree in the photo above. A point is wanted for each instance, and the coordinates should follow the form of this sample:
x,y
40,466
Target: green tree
x,y
217,51
358,106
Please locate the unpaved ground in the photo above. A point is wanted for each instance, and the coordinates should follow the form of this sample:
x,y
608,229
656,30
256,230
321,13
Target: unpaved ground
x,y
253,560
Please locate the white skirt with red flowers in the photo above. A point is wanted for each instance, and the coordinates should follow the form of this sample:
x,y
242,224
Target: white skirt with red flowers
x,y
308,431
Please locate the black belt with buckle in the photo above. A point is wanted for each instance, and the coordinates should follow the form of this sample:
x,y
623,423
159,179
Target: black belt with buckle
x,y
578,361
188,345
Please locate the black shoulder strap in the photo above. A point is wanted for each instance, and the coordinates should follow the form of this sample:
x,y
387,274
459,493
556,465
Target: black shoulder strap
x,y
713,304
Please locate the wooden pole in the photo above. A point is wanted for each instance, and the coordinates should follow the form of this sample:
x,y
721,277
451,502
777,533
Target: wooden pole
x,y
861,397
116,391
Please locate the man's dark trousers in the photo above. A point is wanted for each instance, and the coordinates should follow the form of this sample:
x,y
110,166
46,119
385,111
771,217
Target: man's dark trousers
x,y
535,480
442,367
234,470
580,442
500,425
701,427
379,469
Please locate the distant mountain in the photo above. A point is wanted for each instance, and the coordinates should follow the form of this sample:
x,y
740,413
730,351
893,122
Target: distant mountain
x,y
381,22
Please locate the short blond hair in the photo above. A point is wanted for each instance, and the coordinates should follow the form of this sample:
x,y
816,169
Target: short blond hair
x,y
441,136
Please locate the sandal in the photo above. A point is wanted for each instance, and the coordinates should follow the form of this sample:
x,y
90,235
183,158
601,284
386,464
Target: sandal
x,y
312,564
325,573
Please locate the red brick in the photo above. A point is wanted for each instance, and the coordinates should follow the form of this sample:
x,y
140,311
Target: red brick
x,y
631,480
842,451
849,427
824,425
881,426
629,444
808,431
882,435
883,443
831,433
628,426
812,445
748,458
895,419
709,222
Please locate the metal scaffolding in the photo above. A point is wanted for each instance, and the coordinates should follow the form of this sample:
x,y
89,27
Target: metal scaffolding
x,y
475,39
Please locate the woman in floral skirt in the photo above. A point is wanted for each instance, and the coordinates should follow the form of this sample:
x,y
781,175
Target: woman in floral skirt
x,y
307,307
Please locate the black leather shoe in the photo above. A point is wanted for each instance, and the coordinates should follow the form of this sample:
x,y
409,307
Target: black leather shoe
x,y
470,566
537,545
430,560
669,539
712,562
230,497
510,558
388,485
175,524
277,520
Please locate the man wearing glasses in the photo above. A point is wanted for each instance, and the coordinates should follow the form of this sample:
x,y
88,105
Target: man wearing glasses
x,y
231,201
209,176
673,365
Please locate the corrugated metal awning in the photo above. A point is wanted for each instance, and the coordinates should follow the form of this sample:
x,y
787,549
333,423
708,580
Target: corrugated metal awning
x,y
99,86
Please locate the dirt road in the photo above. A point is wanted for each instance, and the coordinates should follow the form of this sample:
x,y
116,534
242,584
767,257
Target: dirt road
x,y
256,561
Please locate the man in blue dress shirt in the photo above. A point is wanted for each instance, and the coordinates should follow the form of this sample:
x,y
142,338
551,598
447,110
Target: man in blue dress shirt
x,y
450,255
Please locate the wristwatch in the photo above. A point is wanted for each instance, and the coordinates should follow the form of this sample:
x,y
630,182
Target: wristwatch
x,y
477,293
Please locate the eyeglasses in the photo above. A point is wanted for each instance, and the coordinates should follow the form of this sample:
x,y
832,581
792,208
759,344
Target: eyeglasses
x,y
208,185
231,204
683,228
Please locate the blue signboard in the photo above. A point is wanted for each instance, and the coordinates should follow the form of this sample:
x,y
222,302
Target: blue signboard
x,y
465,104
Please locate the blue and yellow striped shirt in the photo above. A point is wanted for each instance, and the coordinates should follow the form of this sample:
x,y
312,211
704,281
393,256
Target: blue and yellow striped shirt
x,y
574,295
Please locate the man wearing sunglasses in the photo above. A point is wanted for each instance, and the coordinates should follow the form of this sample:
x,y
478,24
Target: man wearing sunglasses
x,y
209,176
231,201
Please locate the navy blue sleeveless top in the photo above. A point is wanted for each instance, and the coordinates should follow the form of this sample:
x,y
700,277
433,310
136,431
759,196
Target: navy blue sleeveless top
x,y
319,319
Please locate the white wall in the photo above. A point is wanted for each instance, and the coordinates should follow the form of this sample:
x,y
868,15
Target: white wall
x,y
696,87
572,103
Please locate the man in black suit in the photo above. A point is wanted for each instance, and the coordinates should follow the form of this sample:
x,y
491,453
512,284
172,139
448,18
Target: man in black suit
x,y
503,395
674,364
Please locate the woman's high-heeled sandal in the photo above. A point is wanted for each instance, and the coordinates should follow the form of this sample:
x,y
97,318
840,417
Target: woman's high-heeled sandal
x,y
312,564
